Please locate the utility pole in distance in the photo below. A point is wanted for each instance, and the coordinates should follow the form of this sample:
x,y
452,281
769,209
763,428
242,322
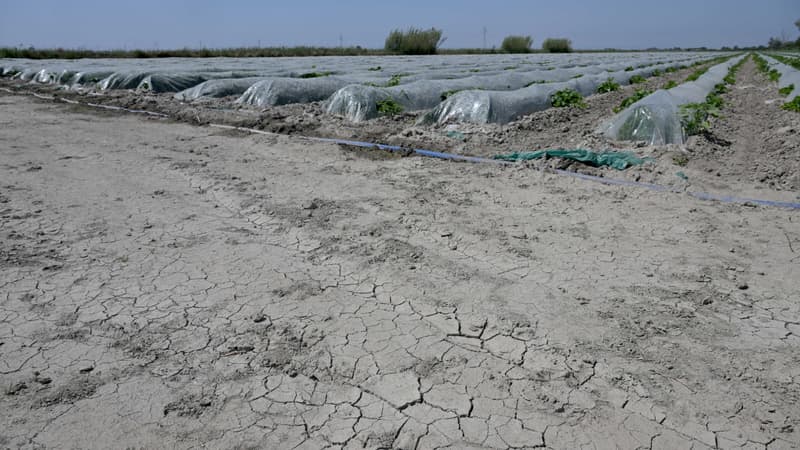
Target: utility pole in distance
x,y
484,37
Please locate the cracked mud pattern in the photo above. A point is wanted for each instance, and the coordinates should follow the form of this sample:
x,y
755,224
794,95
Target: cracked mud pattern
x,y
170,286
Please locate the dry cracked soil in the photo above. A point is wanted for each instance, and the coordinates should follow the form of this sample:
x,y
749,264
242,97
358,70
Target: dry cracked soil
x,y
166,285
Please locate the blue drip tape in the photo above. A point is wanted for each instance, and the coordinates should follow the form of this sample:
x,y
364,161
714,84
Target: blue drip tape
x,y
607,181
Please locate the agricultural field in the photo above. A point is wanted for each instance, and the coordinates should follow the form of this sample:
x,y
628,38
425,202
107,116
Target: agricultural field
x,y
493,251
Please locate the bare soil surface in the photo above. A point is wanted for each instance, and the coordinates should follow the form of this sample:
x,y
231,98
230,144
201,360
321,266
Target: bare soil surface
x,y
164,285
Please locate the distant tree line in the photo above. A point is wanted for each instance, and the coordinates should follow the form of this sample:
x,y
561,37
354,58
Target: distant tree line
x,y
783,43
416,41
413,41
242,52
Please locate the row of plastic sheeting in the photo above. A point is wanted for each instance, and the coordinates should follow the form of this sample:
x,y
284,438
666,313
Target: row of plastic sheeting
x,y
789,76
356,96
656,119
375,70
264,92
283,91
483,99
496,106
358,100
225,87
424,85
359,68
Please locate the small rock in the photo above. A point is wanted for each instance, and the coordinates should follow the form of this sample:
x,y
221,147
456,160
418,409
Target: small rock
x,y
743,286
16,388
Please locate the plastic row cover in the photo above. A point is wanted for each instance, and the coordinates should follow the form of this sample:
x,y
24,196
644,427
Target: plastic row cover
x,y
8,71
656,119
503,107
481,99
283,91
217,88
789,76
170,83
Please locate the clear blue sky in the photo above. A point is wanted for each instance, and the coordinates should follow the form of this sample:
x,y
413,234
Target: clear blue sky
x,y
162,24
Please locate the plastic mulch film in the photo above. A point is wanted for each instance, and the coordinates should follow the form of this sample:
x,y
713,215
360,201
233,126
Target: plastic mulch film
x,y
482,106
789,76
284,91
122,80
218,88
169,82
656,119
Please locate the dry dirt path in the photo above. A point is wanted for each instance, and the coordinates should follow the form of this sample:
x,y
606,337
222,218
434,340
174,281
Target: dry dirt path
x,y
170,286
763,146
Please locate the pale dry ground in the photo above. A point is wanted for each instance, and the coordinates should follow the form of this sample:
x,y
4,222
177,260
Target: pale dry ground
x,y
171,286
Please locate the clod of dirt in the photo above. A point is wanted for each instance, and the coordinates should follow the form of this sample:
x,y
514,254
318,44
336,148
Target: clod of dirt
x,y
16,388
74,390
188,406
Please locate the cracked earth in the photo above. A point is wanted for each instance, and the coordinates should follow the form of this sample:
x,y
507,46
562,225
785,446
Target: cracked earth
x,y
170,286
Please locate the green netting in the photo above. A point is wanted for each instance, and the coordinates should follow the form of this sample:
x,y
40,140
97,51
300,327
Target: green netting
x,y
617,160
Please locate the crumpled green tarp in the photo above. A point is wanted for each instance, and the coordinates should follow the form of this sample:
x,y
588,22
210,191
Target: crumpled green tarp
x,y
617,160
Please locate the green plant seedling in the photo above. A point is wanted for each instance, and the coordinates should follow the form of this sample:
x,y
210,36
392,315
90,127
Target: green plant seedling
x,y
637,79
695,117
638,95
680,160
567,97
608,86
315,74
793,105
394,80
389,107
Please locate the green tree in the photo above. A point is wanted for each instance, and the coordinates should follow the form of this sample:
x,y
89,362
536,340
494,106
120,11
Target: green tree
x,y
414,41
560,45
517,44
